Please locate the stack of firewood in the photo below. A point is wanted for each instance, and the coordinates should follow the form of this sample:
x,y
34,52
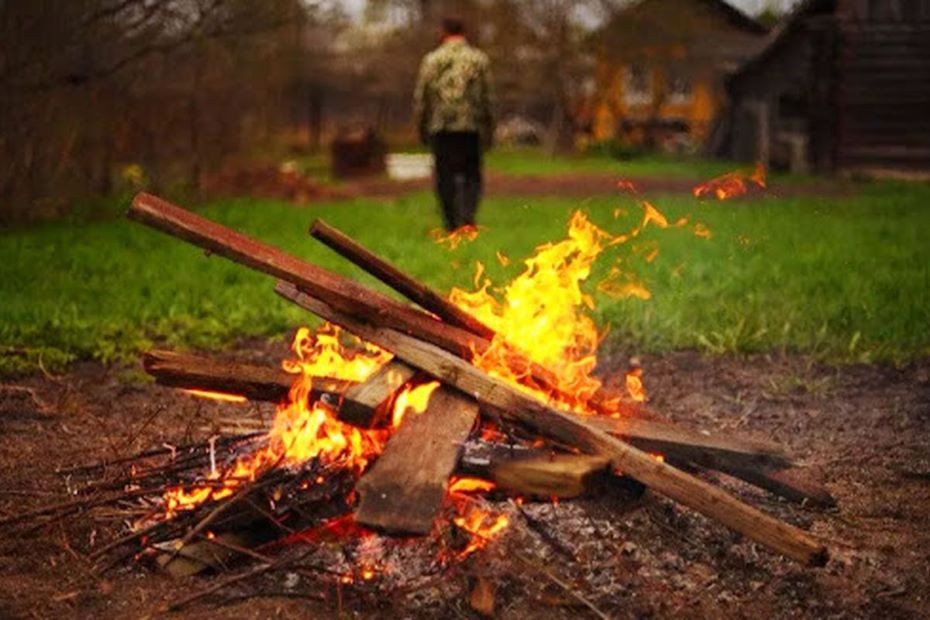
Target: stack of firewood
x,y
404,488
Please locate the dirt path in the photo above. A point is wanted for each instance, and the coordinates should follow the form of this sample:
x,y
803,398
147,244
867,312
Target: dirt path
x,y
865,429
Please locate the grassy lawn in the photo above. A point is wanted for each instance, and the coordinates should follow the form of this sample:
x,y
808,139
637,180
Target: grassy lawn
x,y
535,161
519,161
841,278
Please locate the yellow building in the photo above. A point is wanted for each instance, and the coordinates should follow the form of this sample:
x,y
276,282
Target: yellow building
x,y
661,67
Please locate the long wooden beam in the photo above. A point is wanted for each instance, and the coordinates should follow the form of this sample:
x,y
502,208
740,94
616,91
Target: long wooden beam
x,y
570,429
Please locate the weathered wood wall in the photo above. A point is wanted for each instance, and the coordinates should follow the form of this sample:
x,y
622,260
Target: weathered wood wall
x,y
884,96
852,83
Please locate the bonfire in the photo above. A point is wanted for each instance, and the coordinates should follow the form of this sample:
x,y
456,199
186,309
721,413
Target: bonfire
x,y
435,423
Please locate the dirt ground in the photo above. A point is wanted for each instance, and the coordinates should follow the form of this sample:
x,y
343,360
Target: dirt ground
x,y
863,429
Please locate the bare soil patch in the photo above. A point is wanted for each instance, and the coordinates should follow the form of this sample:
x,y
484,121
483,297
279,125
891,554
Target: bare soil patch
x,y
865,429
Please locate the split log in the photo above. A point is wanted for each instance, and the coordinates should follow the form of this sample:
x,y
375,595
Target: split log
x,y
572,430
403,490
557,475
357,402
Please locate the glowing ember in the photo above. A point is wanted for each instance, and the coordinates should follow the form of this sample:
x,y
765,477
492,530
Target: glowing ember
x,y
453,239
483,527
634,385
221,396
470,485
731,184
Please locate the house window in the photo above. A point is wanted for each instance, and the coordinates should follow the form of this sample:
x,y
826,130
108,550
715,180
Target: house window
x,y
679,86
637,85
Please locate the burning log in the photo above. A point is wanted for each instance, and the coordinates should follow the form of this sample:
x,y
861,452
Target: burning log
x,y
570,429
557,475
415,291
403,490
254,382
761,464
430,300
357,402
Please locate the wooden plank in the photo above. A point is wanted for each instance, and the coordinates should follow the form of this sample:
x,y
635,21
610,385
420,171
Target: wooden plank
x,y
572,430
403,490
255,382
687,445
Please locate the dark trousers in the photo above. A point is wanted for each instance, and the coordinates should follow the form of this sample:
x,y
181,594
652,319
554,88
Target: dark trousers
x,y
458,175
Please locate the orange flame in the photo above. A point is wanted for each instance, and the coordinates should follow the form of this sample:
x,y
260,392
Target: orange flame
x,y
413,399
221,396
482,525
302,429
634,385
467,232
731,184
463,485
544,312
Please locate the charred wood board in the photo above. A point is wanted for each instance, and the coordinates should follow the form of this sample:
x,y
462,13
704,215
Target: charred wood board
x,y
403,490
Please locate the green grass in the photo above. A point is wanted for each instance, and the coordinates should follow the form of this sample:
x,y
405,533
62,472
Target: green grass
x,y
518,161
840,278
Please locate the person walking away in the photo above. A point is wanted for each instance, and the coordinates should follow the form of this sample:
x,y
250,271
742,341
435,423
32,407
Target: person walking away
x,y
452,109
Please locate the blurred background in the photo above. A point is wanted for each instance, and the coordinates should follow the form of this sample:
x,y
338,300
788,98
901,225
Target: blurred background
x,y
98,96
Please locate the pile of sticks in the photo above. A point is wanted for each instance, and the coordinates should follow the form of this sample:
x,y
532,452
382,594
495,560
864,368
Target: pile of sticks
x,y
403,490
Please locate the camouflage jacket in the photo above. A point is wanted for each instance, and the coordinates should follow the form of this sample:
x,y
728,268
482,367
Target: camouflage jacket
x,y
453,91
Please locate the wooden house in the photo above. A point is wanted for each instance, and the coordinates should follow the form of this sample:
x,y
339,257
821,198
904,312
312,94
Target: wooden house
x,y
661,68
841,85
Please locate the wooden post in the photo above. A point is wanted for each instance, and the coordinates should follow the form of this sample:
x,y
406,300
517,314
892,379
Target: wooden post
x,y
570,429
